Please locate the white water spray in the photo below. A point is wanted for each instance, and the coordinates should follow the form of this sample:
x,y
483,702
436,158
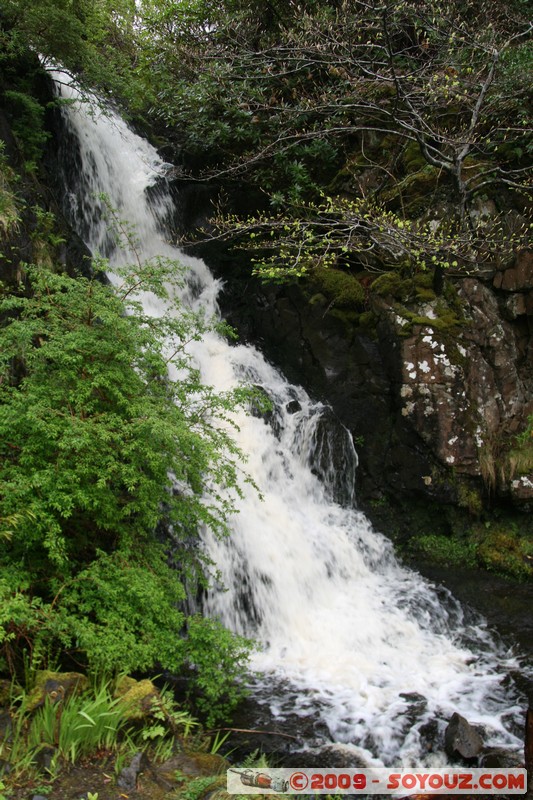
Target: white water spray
x,y
341,623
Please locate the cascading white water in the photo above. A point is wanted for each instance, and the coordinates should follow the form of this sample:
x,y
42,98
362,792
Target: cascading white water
x,y
341,623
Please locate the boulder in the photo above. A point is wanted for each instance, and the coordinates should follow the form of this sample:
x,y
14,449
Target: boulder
x,y
138,697
500,758
461,739
127,779
56,686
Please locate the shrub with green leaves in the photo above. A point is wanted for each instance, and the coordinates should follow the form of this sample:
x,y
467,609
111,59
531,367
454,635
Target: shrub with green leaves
x,y
98,444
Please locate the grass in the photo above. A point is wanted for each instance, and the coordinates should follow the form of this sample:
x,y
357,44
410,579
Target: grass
x,y
75,728
499,547
72,729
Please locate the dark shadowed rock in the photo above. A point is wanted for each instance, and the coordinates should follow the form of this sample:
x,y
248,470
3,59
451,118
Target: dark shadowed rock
x,y
461,739
127,780
500,758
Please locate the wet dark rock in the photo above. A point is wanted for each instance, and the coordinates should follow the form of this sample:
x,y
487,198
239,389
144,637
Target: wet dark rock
x,y
293,407
127,779
424,403
416,706
461,739
430,736
500,758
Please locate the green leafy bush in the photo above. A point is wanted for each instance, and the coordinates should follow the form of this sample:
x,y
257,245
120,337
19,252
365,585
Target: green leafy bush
x,y
98,444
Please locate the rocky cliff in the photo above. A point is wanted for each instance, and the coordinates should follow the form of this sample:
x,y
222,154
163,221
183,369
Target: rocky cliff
x,y
435,388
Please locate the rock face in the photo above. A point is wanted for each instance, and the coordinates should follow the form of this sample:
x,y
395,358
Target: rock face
x,y
433,405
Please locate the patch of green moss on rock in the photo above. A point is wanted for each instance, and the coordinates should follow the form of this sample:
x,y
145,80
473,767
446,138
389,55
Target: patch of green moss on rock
x,y
341,288
368,320
502,549
138,697
56,686
388,284
470,498
412,159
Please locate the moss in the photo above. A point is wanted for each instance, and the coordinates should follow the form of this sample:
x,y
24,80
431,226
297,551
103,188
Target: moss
x,y
425,295
424,280
55,684
389,283
342,289
445,321
502,549
412,159
417,288
124,684
9,203
207,763
470,498
414,189
138,697
317,299
346,316
368,320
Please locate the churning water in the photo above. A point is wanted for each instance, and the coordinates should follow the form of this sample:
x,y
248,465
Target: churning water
x,y
339,620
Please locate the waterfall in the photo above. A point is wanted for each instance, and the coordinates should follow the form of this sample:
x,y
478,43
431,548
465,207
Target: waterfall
x,y
346,634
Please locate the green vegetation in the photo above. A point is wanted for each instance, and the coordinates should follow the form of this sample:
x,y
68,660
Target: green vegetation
x,y
355,124
377,138
445,550
341,289
352,123
9,205
98,444
74,722
500,546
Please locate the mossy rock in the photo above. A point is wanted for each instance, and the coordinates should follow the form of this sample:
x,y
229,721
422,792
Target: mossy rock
x,y
341,288
124,684
56,686
413,190
504,551
443,322
390,283
138,697
425,295
347,316
207,763
412,158
368,320
470,498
